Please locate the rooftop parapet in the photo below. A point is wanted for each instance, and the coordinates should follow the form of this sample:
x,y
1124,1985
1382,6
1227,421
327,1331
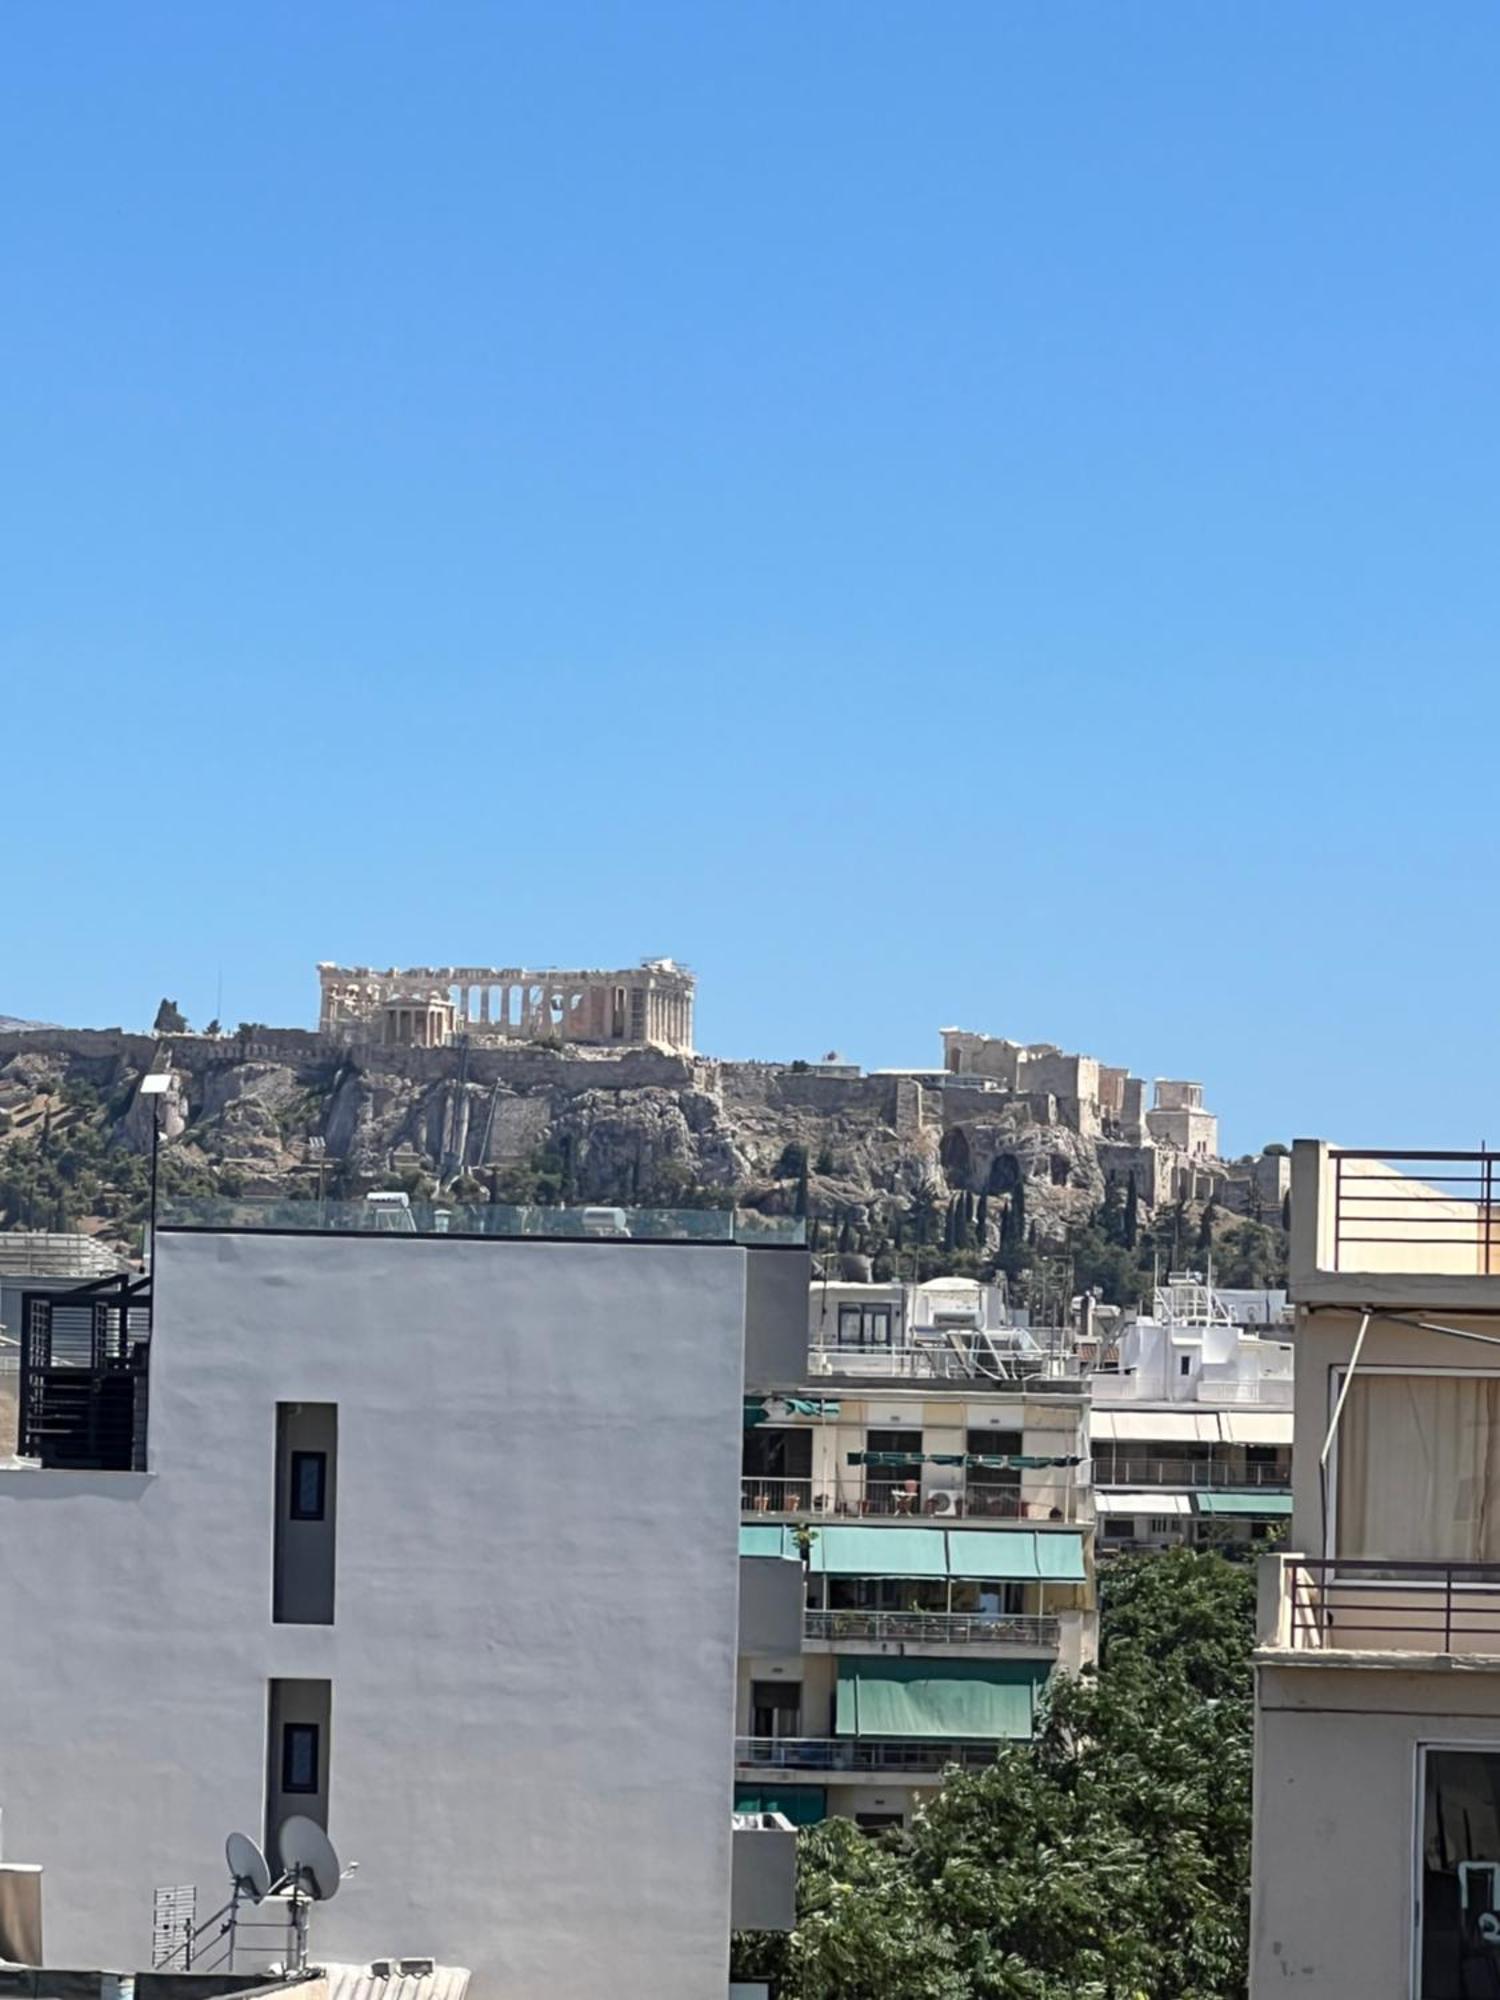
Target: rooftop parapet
x,y
396,1215
1378,1227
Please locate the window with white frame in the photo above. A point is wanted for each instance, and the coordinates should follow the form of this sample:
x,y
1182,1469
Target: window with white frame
x,y
1458,1873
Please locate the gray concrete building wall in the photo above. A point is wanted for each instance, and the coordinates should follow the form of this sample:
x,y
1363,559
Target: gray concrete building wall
x,y
532,1661
1335,1836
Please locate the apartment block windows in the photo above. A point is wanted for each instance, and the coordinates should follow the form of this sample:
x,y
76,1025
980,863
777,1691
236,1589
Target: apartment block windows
x,y
1458,1874
299,1757
864,1326
309,1485
776,1709
993,1488
893,1472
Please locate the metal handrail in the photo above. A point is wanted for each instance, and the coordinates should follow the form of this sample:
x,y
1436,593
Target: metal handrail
x,y
901,1499
1363,1218
1154,1471
855,1753
1343,1602
936,1628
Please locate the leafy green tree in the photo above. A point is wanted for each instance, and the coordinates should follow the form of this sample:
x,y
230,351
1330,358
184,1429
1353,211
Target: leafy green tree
x,y
1251,1255
1106,1860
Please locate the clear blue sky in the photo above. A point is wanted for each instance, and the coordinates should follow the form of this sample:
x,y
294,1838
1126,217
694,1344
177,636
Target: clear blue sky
x,y
978,513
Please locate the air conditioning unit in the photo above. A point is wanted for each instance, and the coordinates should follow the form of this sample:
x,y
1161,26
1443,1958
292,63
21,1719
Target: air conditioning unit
x,y
944,1500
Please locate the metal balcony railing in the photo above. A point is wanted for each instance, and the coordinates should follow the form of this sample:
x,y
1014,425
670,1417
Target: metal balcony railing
x,y
920,1755
891,1499
935,1628
1339,1605
1151,1471
933,1358
1416,1211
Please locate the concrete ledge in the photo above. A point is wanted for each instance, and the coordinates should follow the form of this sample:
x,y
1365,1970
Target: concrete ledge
x,y
1330,1658
1409,1291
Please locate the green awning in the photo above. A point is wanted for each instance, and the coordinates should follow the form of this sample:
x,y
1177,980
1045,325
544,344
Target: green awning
x,y
1016,1555
1059,1558
795,1406
769,1541
985,1700
1260,1506
803,1805
879,1552
1006,1553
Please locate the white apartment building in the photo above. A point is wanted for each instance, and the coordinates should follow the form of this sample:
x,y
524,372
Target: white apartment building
x,y
431,1538
1377,1760
921,1515
1191,1423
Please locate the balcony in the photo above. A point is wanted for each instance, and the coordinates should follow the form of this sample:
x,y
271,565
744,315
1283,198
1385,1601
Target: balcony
x,y
771,1497
861,1756
1325,1608
973,1358
1136,1472
1373,1228
1020,1632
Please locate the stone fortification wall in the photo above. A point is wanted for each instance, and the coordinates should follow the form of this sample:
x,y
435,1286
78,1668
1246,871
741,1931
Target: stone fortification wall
x,y
86,1044
772,1085
526,1068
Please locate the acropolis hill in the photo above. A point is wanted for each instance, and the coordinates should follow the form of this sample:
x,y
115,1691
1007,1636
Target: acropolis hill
x,y
481,1084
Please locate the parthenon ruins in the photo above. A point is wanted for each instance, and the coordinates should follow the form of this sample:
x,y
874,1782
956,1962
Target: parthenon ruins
x,y
648,1006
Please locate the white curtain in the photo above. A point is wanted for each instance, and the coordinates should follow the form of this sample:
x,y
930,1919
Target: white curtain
x,y
1419,1469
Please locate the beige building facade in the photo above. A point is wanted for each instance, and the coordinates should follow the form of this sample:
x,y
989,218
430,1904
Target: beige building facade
x,y
1377,1759
920,1512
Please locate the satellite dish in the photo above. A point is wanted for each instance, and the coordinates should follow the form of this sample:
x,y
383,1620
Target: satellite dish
x,y
247,1867
307,1856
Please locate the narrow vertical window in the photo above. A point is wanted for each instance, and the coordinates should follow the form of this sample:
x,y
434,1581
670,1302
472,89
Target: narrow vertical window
x,y
309,1485
299,1757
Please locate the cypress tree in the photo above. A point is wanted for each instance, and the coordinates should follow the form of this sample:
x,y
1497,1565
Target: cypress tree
x,y
1206,1225
1132,1226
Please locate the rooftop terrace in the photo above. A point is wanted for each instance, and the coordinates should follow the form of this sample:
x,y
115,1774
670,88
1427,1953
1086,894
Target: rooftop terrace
x,y
397,1215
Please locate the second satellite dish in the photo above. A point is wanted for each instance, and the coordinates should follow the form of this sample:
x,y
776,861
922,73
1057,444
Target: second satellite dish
x,y
247,1867
307,1856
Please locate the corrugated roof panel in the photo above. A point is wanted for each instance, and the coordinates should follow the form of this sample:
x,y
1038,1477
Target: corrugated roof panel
x,y
375,1982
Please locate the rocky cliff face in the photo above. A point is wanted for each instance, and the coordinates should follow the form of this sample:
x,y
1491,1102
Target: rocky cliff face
x,y
283,1113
